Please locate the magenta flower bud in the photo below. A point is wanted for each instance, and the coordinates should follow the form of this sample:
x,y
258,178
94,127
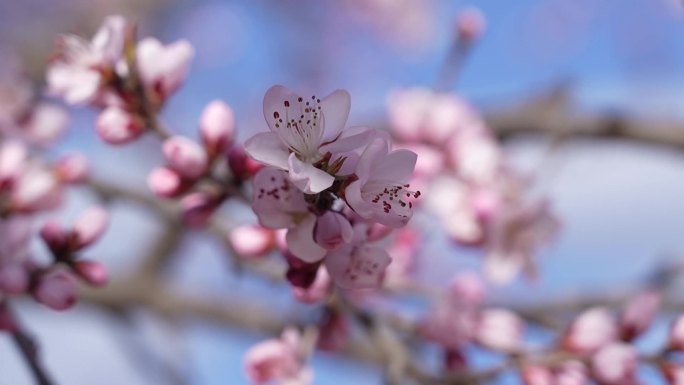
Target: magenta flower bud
x,y
332,230
185,156
56,238
299,273
319,290
252,241
197,208
94,273
56,290
639,314
165,182
470,24
14,278
677,334
73,168
241,165
217,127
90,226
615,364
116,126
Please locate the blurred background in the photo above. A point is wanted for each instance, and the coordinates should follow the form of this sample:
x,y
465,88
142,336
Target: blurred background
x,y
621,202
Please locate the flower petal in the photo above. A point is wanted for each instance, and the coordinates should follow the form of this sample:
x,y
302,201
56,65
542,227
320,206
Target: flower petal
x,y
396,166
332,230
300,241
276,202
267,148
335,109
360,267
274,103
308,178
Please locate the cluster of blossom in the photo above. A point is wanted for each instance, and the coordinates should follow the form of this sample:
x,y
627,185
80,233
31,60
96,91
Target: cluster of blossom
x,y
336,191
31,186
478,198
129,81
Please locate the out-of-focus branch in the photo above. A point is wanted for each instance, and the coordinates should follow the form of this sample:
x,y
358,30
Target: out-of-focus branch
x,y
29,351
551,113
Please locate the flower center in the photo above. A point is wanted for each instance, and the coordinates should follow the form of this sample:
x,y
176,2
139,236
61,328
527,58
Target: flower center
x,y
391,196
301,129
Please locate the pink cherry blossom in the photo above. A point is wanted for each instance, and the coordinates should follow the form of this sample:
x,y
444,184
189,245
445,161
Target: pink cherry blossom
x,y
13,156
470,24
615,364
453,202
56,289
299,127
45,124
500,329
72,168
56,237
277,360
36,189
358,264
163,68
591,330
77,72
165,182
420,114
217,127
403,251
116,126
639,314
185,157
381,193
251,241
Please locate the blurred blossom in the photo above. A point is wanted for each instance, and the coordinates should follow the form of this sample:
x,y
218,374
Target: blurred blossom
x,y
163,68
318,291
279,361
116,126
615,364
591,330
470,24
500,329
56,289
217,127
639,313
252,241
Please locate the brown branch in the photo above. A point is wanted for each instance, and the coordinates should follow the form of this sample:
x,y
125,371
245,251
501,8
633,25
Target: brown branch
x,y
29,351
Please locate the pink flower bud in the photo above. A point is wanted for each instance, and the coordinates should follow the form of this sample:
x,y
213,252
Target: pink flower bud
x,y
217,126
72,168
55,237
165,182
332,230
537,375
639,314
90,226
677,334
252,241
185,156
242,166
499,329
56,290
197,208
94,273
163,67
673,373
590,331
468,287
14,278
36,189
470,24
116,126
615,364
318,291
334,332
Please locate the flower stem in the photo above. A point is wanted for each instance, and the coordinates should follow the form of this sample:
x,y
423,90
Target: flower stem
x,y
29,351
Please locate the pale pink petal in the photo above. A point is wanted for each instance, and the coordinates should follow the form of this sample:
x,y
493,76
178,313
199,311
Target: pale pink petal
x,y
73,168
163,68
308,178
12,157
301,243
90,226
116,126
36,189
76,85
46,123
335,109
165,182
274,102
590,331
94,273
396,166
267,148
276,202
359,267
251,241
